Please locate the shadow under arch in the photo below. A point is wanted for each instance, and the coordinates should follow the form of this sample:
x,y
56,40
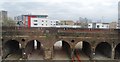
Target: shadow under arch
x,y
103,50
62,50
34,50
117,51
82,50
12,50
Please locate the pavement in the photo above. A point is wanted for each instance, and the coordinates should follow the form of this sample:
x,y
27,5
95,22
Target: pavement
x,y
101,57
36,55
13,57
59,54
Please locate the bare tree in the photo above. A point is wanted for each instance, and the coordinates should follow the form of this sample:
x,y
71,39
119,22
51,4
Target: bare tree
x,y
8,22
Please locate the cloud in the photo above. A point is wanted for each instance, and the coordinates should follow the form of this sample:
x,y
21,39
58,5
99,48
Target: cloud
x,y
65,9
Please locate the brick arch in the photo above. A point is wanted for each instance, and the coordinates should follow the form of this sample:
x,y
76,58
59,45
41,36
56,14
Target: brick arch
x,y
12,46
77,43
11,40
32,40
97,43
117,44
81,41
117,51
104,48
68,42
66,47
31,49
86,47
103,42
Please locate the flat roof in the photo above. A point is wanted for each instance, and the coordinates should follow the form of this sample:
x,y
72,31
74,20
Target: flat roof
x,y
35,15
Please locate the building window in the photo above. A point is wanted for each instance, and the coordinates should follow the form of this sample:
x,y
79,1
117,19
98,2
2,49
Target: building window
x,y
42,20
46,24
35,20
56,21
98,26
42,24
35,24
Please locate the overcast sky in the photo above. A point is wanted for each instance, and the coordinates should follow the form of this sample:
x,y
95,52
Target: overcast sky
x,y
106,10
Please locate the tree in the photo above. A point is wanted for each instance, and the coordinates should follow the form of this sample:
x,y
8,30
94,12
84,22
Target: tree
x,y
8,22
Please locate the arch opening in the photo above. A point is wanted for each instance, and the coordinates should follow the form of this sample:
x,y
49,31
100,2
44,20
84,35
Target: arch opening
x,y
103,51
34,50
62,51
82,51
12,50
117,51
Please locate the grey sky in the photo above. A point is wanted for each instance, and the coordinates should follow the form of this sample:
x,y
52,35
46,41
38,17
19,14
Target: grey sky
x,y
65,9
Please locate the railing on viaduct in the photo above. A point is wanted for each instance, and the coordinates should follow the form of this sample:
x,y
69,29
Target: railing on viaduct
x,y
94,41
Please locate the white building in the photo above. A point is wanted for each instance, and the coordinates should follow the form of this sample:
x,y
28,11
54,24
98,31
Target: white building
x,y
35,21
39,22
91,25
54,23
3,15
98,25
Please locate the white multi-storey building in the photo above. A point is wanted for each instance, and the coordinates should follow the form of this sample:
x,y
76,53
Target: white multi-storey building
x,y
98,25
54,23
39,22
36,21
3,15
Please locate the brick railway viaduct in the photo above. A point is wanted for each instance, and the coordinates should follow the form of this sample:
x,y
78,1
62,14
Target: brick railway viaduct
x,y
105,41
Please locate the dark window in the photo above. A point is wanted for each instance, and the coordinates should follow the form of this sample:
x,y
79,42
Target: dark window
x,y
35,20
35,24
98,26
56,21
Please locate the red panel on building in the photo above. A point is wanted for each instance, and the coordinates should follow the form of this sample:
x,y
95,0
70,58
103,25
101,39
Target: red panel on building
x,y
29,21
